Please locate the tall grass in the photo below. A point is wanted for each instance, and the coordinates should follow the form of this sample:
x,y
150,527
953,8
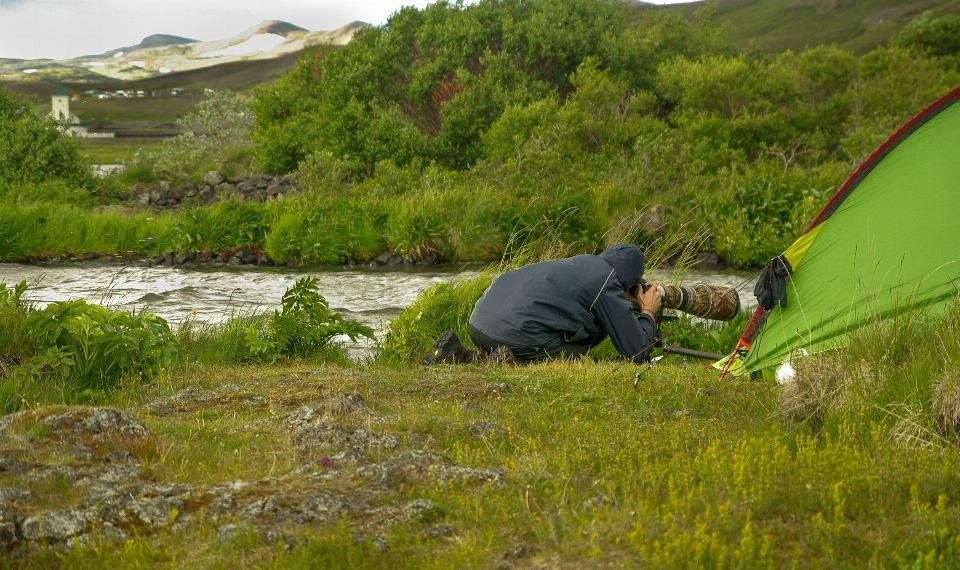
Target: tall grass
x,y
899,375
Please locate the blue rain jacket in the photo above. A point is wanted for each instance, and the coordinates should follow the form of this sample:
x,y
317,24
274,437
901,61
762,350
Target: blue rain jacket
x,y
578,300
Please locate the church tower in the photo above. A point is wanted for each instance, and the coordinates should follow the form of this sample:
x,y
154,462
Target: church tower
x,y
61,104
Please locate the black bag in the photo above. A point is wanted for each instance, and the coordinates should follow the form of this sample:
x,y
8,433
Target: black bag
x,y
771,288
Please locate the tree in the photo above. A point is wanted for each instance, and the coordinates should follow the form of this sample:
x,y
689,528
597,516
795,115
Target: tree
x,y
35,148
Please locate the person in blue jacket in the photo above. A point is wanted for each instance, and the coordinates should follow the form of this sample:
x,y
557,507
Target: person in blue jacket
x,y
560,309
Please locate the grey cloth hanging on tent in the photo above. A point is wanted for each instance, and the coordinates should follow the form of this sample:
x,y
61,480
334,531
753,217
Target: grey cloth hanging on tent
x,y
771,288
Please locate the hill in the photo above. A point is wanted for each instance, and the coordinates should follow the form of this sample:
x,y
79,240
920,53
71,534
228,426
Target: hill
x,y
159,55
856,25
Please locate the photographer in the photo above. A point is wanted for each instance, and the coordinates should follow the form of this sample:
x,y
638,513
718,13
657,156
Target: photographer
x,y
561,309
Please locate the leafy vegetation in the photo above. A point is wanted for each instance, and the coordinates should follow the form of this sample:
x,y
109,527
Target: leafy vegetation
x,y
34,150
304,325
73,350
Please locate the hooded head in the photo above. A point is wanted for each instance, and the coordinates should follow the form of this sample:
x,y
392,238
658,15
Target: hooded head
x,y
627,260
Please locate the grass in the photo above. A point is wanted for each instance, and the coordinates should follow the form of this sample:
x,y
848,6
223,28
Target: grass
x,y
113,151
684,472
779,25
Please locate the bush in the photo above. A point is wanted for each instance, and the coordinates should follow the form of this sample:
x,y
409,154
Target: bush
x,y
34,148
304,325
73,349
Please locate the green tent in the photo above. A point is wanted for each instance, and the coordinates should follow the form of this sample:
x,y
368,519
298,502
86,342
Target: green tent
x,y
888,240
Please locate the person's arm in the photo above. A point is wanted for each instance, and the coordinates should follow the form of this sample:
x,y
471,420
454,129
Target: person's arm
x,y
632,337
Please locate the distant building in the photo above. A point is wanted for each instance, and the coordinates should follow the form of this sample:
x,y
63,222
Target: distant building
x,y
60,103
73,126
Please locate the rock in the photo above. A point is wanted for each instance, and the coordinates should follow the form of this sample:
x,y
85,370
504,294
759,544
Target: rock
x,y
264,261
90,256
439,530
245,256
499,388
120,456
423,510
205,256
158,259
190,190
144,199
487,429
327,439
424,466
101,423
185,257
347,404
206,194
652,220
432,259
522,551
11,495
213,178
407,260
707,260
58,526
234,261
388,259
293,263
8,535
303,416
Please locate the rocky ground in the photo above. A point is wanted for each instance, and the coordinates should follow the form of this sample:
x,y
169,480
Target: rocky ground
x,y
79,476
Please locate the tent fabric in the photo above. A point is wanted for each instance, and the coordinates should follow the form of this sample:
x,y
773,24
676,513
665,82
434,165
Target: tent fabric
x,y
887,241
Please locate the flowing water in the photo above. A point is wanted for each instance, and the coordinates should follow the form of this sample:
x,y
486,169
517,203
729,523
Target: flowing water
x,y
370,295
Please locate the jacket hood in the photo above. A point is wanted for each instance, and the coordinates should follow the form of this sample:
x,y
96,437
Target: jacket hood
x,y
627,260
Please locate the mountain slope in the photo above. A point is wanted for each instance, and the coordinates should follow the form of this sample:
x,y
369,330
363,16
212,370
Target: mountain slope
x,y
857,25
160,54
154,41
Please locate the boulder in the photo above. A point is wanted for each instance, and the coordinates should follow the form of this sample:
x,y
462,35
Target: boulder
x,y
265,261
58,526
213,178
388,259
90,256
185,257
206,194
205,256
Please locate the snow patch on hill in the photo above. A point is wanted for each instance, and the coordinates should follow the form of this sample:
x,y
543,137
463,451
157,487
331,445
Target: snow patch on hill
x,y
257,43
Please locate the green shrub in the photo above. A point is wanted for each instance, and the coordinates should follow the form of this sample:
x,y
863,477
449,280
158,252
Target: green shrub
x,y
303,326
70,349
34,149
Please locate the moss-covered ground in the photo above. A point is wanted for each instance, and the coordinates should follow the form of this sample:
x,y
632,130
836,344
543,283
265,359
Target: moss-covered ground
x,y
684,471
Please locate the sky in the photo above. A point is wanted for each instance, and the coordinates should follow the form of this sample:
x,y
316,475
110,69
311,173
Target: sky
x,y
63,29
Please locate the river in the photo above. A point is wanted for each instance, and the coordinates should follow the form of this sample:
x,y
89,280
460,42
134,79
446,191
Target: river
x,y
371,295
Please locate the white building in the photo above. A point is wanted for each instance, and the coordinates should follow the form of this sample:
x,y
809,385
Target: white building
x,y
60,103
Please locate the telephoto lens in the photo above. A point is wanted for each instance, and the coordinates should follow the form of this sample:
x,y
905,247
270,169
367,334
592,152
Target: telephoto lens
x,y
713,302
